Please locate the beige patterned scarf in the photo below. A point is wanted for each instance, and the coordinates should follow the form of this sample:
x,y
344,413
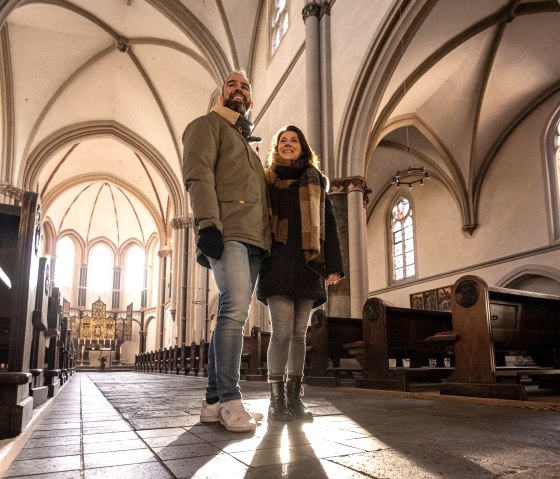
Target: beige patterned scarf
x,y
313,186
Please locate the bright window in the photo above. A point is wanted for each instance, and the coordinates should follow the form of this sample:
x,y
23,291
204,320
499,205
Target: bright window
x,y
279,23
133,276
100,275
553,172
557,153
402,240
64,270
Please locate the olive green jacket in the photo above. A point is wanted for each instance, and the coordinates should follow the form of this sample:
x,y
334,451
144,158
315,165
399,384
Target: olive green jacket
x,y
225,181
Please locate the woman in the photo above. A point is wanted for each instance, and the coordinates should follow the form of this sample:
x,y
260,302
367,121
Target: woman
x,y
305,257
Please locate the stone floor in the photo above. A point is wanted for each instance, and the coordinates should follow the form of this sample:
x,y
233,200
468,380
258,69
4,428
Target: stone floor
x,y
138,425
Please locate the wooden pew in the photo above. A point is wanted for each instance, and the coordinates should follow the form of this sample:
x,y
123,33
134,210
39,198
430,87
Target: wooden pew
x,y
396,333
175,360
197,359
40,336
150,361
184,355
203,358
54,320
258,347
64,350
491,323
325,340
20,237
244,365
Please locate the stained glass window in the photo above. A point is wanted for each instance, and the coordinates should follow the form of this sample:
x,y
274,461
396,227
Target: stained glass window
x,y
402,240
279,23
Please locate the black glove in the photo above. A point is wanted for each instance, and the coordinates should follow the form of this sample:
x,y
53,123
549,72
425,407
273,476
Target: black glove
x,y
244,126
210,242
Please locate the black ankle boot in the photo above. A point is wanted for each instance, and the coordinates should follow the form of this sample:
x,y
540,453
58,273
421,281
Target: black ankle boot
x,y
277,409
295,406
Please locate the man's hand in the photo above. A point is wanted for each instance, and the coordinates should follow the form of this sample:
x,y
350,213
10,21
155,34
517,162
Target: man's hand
x,y
210,242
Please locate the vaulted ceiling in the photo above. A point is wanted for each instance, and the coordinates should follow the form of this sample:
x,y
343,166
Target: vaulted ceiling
x,y
96,94
463,76
100,92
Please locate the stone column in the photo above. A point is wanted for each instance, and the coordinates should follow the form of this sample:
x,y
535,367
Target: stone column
x,y
142,333
351,221
327,153
164,257
181,228
200,300
82,286
117,277
145,289
311,13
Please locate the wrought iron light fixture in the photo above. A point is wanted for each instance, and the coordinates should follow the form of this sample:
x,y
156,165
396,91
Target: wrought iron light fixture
x,y
410,177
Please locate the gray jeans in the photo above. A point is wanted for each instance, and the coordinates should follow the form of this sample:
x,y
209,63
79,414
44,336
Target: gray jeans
x,y
286,350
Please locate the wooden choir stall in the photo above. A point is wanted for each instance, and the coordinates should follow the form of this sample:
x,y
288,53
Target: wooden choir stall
x,y
30,316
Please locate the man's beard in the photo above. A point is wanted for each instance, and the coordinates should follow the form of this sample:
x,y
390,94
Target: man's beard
x,y
239,107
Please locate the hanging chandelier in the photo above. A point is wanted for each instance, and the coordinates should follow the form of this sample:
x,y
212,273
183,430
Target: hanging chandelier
x,y
411,176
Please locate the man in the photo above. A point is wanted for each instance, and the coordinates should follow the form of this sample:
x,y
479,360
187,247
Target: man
x,y
225,181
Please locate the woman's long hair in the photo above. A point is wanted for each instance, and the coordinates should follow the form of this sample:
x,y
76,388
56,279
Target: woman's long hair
x,y
306,150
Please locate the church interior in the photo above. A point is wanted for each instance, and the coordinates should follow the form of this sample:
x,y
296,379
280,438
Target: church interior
x,y
437,123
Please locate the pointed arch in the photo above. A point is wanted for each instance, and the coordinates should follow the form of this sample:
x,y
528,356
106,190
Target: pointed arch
x,y
103,129
454,182
533,277
49,237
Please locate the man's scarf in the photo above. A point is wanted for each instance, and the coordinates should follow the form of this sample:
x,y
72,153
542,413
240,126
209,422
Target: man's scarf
x,y
313,186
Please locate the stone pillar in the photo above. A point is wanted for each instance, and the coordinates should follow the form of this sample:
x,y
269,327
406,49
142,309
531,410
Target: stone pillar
x,y
181,229
351,222
82,286
142,333
116,296
311,13
327,153
164,258
145,289
201,293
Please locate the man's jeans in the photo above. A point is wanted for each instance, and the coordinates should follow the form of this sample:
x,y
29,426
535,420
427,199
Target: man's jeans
x,y
286,351
235,274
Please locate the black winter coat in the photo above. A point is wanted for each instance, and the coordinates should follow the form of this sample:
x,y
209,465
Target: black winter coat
x,y
285,273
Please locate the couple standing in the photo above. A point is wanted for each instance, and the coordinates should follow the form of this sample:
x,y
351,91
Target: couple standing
x,y
276,224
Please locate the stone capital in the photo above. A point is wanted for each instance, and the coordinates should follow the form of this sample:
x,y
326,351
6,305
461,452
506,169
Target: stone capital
x,y
182,222
311,9
349,185
164,253
10,191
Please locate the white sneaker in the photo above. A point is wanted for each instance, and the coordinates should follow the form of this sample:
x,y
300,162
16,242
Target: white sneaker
x,y
210,413
235,418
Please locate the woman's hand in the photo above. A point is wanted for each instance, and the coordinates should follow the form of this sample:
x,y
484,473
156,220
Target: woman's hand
x,y
333,278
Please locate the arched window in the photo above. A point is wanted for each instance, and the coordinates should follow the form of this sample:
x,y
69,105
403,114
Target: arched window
x,y
402,240
64,269
100,274
557,174
552,167
279,23
133,275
